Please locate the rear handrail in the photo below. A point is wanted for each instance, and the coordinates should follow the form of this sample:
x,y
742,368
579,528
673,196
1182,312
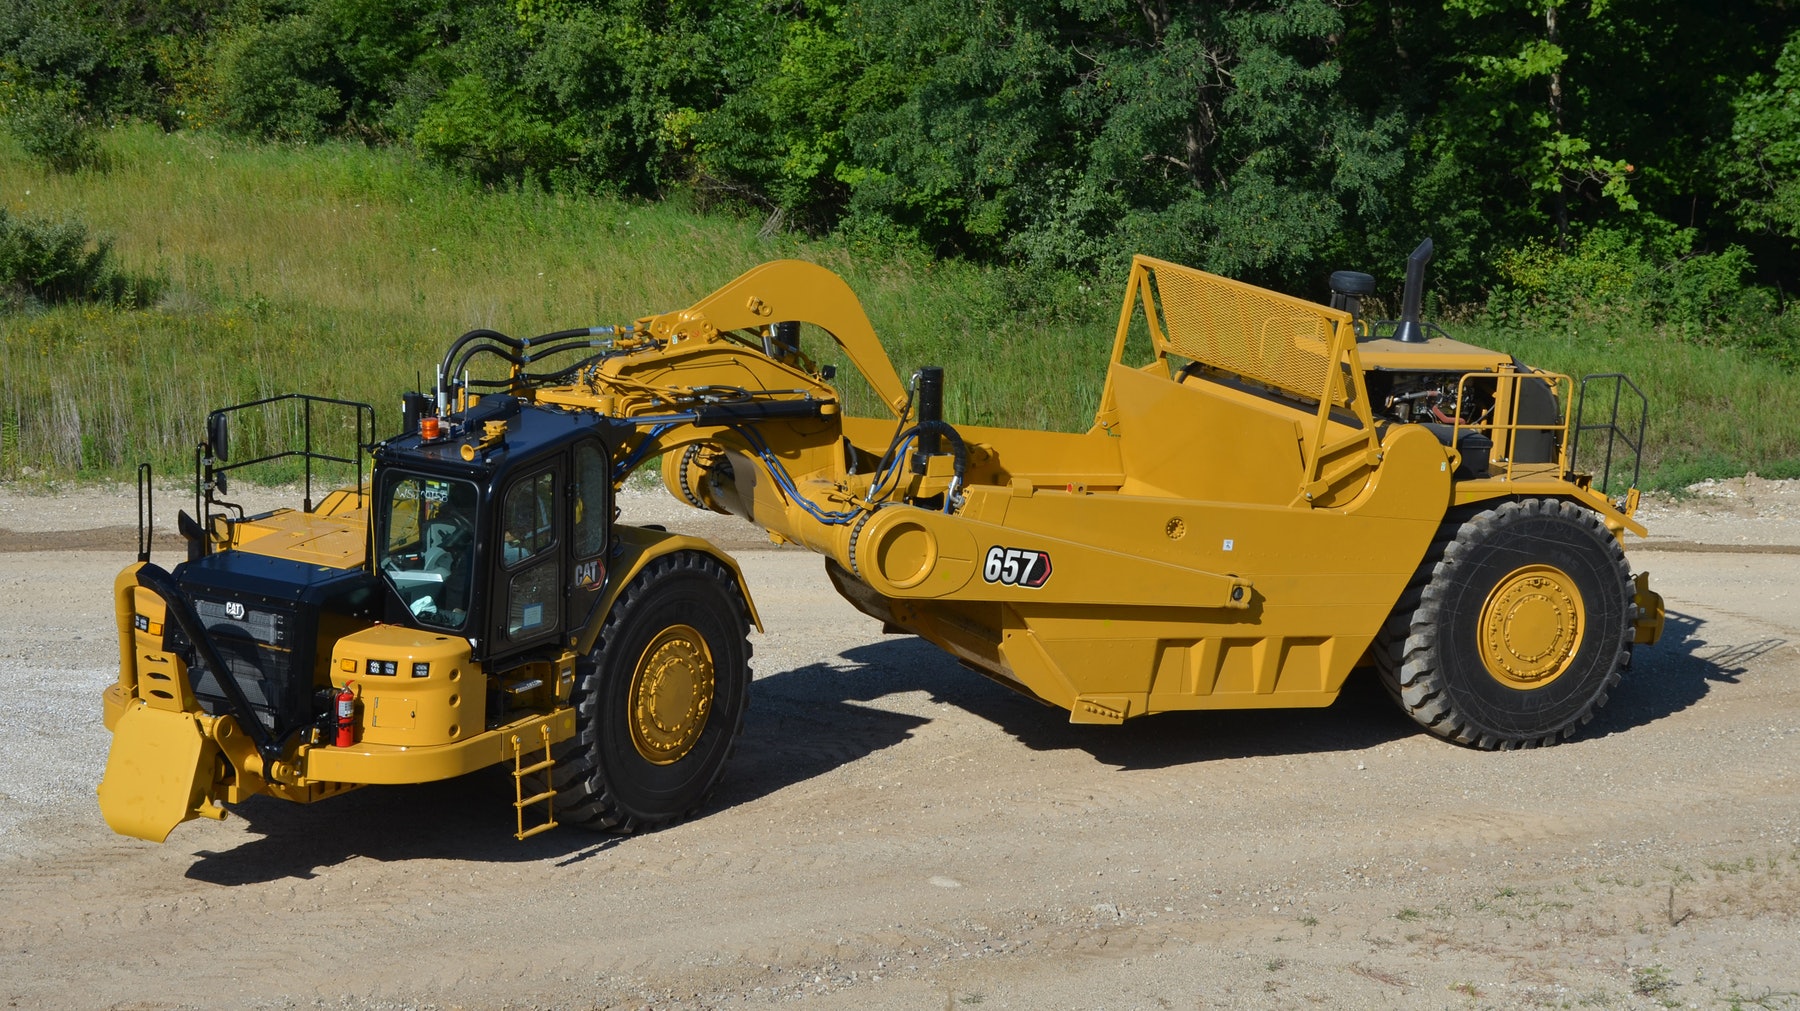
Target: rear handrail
x,y
210,461
1614,434
364,442
146,511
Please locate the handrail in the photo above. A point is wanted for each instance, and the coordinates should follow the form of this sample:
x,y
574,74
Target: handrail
x,y
1504,377
146,511
365,441
1611,426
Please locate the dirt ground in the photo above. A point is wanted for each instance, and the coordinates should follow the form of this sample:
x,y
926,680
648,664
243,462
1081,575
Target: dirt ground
x,y
896,832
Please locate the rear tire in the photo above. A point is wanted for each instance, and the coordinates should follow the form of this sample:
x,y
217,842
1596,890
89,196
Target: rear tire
x,y
1515,627
660,701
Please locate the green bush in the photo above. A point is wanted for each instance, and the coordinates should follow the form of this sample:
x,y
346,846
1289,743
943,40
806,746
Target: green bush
x,y
51,127
46,262
274,81
1620,277
487,133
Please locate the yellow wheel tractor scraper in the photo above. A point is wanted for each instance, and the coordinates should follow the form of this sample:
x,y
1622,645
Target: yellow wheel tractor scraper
x,y
1277,492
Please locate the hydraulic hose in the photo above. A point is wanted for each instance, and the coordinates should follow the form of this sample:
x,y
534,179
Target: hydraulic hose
x,y
158,581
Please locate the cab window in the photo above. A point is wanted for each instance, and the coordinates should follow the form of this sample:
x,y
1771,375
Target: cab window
x,y
530,514
593,479
426,552
527,535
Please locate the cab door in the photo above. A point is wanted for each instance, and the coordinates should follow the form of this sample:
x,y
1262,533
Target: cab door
x,y
532,567
590,525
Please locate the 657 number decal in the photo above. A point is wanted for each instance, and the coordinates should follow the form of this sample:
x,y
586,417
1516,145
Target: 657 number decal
x,y
1016,567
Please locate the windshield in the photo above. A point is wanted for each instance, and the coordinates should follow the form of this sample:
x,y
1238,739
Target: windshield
x,y
427,547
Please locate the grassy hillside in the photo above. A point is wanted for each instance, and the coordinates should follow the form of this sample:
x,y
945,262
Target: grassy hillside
x,y
344,271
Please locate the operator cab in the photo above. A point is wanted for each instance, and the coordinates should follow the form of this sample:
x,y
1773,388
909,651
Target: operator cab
x,y
496,527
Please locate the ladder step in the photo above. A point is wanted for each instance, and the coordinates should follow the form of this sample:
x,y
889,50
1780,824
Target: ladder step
x,y
534,830
547,798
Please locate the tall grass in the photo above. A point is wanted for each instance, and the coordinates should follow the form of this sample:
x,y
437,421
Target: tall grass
x,y
344,271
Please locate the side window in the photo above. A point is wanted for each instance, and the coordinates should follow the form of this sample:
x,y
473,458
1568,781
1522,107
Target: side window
x,y
527,534
530,514
593,482
533,601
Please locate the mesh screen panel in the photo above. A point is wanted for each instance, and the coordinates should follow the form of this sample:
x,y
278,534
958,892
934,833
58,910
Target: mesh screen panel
x,y
1261,335
257,647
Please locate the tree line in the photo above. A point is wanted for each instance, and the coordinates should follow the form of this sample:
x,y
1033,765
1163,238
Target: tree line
x,y
1550,147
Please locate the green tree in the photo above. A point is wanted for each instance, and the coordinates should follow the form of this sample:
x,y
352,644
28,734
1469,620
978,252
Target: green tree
x,y
1073,134
778,139
584,95
1763,163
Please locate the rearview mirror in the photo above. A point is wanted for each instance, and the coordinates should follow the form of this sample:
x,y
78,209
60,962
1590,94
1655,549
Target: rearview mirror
x,y
218,436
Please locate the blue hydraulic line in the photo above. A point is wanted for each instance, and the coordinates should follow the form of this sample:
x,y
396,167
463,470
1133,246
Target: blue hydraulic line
x,y
890,463
786,483
625,466
895,456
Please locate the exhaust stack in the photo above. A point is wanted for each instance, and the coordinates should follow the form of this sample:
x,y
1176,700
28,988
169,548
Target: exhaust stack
x,y
1409,331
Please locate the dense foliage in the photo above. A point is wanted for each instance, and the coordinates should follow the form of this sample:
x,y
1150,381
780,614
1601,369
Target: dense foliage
x,y
1556,150
44,262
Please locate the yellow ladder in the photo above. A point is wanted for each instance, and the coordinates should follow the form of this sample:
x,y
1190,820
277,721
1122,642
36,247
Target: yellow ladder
x,y
547,798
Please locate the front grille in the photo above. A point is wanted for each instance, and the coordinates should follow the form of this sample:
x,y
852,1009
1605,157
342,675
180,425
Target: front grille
x,y
267,627
265,652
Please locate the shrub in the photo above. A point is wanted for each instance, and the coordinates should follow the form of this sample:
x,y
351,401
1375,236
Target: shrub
x,y
1654,280
275,81
51,127
47,262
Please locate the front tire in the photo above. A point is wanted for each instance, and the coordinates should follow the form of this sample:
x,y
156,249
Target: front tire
x,y
1515,627
660,701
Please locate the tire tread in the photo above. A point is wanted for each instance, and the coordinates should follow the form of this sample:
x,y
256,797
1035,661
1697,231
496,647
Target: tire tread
x,y
583,796
1406,649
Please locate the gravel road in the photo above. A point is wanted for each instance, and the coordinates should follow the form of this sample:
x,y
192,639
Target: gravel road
x,y
896,832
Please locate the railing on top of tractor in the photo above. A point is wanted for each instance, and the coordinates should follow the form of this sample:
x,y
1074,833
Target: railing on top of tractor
x,y
1615,435
1504,427
211,456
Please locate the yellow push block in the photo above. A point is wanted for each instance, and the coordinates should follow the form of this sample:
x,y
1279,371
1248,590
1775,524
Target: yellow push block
x,y
157,774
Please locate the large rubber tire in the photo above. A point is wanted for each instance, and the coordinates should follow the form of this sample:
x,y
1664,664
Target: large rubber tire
x,y
1516,626
632,768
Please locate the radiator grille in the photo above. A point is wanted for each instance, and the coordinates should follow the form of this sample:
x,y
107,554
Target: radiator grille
x,y
263,653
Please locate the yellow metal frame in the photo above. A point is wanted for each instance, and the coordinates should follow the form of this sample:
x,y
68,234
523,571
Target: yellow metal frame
x,y
1267,338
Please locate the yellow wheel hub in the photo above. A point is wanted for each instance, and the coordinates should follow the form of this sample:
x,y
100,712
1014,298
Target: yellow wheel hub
x,y
671,695
1531,626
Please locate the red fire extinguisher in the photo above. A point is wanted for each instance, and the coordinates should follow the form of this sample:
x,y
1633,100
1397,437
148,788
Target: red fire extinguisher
x,y
346,716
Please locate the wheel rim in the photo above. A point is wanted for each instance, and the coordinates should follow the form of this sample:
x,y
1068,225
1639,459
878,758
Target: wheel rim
x,y
1531,627
671,695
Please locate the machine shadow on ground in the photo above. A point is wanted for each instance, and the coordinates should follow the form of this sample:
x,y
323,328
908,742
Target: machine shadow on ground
x,y
1675,673
801,724
1363,716
808,721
